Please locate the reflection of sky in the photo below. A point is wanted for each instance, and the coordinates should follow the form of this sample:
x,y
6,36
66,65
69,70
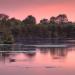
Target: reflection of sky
x,y
46,8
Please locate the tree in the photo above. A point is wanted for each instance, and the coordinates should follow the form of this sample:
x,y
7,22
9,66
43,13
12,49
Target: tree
x,y
44,21
14,22
3,19
52,19
29,20
15,26
4,16
62,18
8,38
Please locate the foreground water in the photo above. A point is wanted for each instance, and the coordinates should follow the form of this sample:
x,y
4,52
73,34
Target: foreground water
x,y
37,61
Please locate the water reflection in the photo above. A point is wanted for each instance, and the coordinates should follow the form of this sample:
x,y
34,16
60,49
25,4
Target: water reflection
x,y
56,53
31,52
22,60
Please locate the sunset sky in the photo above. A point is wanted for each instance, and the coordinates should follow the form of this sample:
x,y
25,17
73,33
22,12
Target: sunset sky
x,y
38,8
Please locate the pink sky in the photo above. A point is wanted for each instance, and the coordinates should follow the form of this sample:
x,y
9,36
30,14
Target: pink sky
x,y
38,8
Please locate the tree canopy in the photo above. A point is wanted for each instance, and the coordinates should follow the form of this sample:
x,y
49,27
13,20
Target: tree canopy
x,y
55,27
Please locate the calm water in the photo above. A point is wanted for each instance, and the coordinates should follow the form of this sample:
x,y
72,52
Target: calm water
x,y
37,61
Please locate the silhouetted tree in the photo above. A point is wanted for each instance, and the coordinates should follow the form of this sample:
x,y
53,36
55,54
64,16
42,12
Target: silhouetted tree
x,y
62,18
30,20
56,27
52,19
4,16
44,21
3,19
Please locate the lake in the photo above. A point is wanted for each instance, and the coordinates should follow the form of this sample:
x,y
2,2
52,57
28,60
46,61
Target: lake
x,y
26,60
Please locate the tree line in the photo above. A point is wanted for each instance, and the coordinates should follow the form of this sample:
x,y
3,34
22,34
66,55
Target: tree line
x,y
55,27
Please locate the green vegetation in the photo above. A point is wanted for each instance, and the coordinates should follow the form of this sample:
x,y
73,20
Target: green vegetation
x,y
56,27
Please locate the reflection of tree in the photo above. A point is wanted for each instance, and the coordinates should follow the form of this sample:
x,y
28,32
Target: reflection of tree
x,y
30,54
6,53
4,56
6,48
44,50
57,53
30,51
